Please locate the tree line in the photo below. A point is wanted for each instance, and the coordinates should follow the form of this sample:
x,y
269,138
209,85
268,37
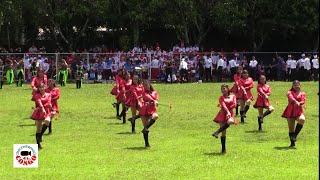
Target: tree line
x,y
254,25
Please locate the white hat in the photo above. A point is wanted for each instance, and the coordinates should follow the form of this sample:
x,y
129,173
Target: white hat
x,y
289,56
315,56
303,55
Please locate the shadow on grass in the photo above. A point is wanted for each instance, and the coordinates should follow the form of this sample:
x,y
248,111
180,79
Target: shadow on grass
x,y
214,154
285,148
125,133
255,131
119,123
137,148
111,117
23,125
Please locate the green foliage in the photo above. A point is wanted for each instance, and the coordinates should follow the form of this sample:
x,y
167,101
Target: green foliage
x,y
88,142
125,42
70,21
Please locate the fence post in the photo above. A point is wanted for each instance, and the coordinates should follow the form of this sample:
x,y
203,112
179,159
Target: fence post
x,y
56,54
88,62
24,67
149,73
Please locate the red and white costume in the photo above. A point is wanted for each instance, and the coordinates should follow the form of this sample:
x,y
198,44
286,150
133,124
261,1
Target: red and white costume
x,y
55,95
134,99
115,90
150,101
235,87
245,86
36,81
263,91
227,104
124,87
293,110
42,101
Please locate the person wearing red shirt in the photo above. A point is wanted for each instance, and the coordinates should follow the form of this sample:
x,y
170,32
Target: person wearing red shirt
x,y
225,117
244,95
264,91
55,95
124,87
134,100
294,111
37,80
42,112
116,90
235,88
148,111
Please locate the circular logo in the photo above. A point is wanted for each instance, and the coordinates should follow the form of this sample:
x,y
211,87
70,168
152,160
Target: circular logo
x,y
25,155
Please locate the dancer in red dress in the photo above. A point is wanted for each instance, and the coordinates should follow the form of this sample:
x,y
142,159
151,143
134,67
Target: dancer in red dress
x,y
235,88
294,111
124,87
42,112
244,95
264,91
37,80
55,95
225,116
148,111
116,90
134,100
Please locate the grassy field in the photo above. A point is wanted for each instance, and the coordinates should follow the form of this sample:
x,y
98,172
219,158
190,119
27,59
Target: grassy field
x,y
88,142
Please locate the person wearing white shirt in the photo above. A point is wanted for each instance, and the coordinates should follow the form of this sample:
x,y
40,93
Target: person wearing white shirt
x,y
288,71
155,68
253,67
27,65
183,68
233,66
45,66
207,65
293,69
315,68
220,67
114,68
307,68
301,70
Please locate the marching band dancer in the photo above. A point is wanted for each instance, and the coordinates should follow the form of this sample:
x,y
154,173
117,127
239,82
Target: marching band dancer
x,y
134,100
63,72
294,111
40,78
116,89
236,88
33,70
124,87
20,73
245,95
79,74
9,72
42,112
264,91
55,95
225,117
148,111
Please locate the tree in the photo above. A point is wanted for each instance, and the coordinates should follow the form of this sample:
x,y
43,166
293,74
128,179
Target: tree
x,y
67,21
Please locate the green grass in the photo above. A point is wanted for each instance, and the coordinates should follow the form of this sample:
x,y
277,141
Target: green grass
x,y
88,142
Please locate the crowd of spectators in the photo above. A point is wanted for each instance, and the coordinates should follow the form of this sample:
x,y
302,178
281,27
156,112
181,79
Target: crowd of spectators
x,y
178,64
